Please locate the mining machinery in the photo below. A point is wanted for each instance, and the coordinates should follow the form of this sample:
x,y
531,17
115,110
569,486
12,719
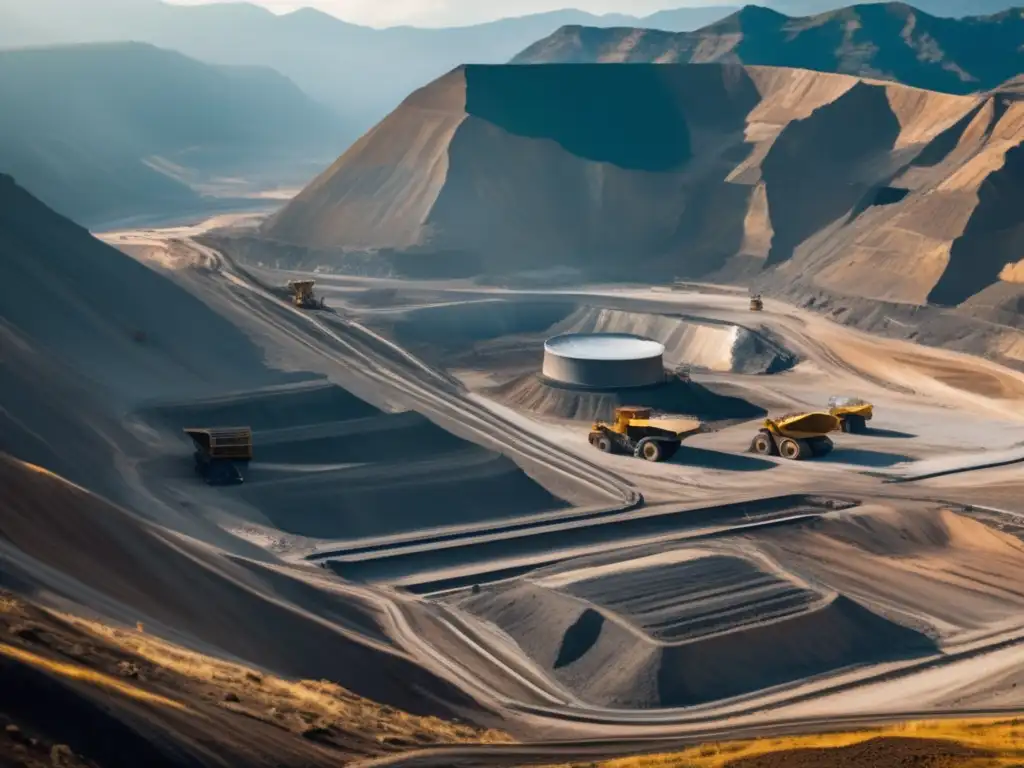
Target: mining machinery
x,y
756,302
303,296
634,432
796,436
852,412
221,453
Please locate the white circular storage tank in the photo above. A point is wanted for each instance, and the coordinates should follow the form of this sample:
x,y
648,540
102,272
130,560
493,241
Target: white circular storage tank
x,y
603,360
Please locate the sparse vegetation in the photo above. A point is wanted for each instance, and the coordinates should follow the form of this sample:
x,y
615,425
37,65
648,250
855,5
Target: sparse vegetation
x,y
9,605
1002,740
305,704
131,665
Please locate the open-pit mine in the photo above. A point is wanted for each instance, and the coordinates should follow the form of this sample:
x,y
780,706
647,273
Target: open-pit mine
x,y
418,510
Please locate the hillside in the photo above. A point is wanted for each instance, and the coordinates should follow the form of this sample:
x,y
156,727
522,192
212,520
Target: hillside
x,y
360,72
107,131
861,188
954,9
86,334
892,41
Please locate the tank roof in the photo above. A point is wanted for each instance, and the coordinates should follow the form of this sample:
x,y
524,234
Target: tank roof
x,y
604,346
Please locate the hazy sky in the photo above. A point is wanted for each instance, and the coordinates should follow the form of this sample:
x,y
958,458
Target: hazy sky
x,y
452,12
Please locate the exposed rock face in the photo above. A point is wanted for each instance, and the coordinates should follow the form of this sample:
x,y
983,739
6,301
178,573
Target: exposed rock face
x,y
860,187
893,41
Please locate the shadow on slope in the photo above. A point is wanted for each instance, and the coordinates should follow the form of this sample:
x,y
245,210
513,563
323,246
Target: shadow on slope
x,y
79,694
728,462
537,395
77,547
328,465
842,634
621,150
124,326
50,419
814,172
629,117
864,457
991,239
605,663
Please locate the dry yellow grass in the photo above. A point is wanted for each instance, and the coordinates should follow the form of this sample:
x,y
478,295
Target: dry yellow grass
x,y
1003,737
9,604
318,703
86,675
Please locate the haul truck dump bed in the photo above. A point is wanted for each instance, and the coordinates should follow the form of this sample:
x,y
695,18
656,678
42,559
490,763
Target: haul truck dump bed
x,y
796,435
635,432
219,451
852,412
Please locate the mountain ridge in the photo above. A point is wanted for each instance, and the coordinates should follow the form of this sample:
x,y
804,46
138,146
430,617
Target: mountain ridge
x,y
360,72
104,131
892,41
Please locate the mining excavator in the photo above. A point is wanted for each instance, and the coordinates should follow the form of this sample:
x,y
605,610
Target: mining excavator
x,y
219,453
852,412
796,436
302,295
634,432
756,302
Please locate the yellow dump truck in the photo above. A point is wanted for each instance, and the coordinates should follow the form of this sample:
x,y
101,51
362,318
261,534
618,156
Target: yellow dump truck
x,y
303,296
635,432
221,452
796,436
852,412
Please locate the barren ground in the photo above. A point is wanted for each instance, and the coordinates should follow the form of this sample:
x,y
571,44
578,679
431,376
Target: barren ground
x,y
493,566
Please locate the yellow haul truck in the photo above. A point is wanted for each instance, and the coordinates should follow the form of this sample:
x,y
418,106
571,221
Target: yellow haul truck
x,y
635,432
302,295
796,436
852,412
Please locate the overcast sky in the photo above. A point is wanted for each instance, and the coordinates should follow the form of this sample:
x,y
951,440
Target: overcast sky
x,y
432,13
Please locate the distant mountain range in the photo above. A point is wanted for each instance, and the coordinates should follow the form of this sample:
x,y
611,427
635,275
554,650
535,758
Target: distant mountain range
x,y
111,130
362,73
95,140
893,41
953,9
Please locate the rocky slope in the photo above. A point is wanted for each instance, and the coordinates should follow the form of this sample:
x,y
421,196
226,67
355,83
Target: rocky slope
x,y
87,334
101,131
893,41
840,185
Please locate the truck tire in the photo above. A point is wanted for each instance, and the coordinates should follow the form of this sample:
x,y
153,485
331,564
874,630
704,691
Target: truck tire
x,y
763,444
854,424
793,449
604,444
651,450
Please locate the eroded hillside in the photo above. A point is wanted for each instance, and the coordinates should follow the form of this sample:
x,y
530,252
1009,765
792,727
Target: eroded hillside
x,y
893,41
864,187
